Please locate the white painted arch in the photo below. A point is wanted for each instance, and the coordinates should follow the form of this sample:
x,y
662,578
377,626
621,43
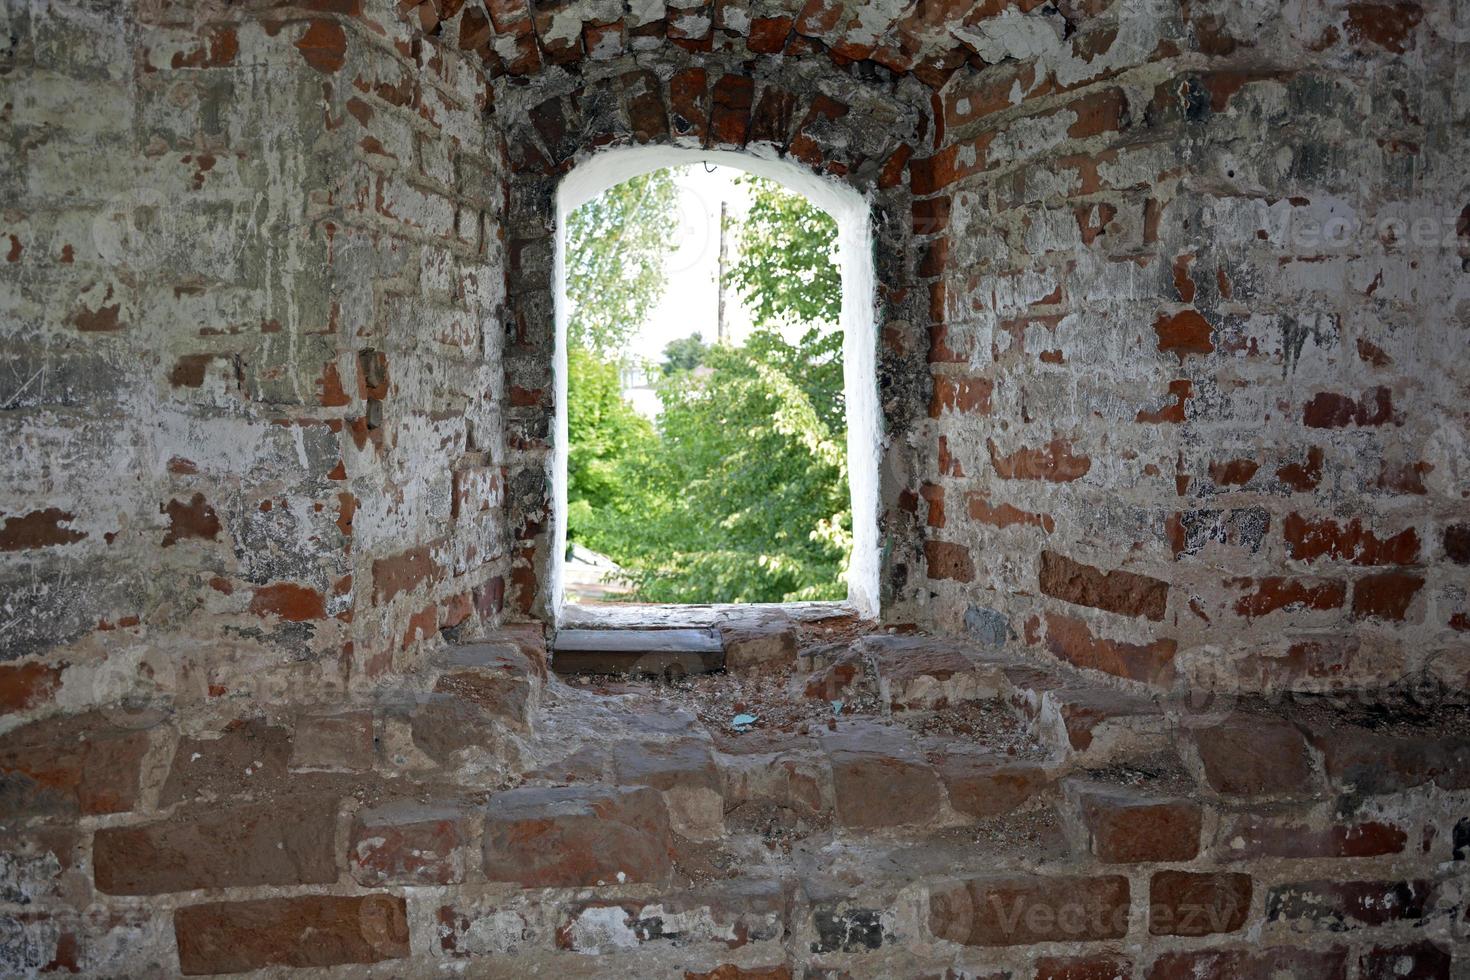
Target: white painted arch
x,y
858,323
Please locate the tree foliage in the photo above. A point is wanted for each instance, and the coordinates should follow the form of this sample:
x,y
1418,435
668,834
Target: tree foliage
x,y
786,270
743,498
616,247
684,354
739,493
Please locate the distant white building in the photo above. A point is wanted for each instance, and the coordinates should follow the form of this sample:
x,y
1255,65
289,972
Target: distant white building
x,y
637,380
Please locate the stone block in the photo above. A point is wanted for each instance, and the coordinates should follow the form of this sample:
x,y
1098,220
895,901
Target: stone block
x,y
283,842
1023,910
408,843
757,640
301,932
1125,826
577,836
879,779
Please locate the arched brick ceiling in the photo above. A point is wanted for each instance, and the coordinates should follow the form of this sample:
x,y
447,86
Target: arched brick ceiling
x,y
928,39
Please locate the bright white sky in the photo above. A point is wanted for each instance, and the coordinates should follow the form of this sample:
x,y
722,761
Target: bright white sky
x,y
690,302
691,299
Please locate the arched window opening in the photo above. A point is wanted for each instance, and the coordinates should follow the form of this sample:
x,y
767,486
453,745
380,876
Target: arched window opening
x,y
717,405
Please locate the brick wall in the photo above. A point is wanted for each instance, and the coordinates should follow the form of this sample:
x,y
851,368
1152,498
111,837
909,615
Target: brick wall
x,y
1143,410
251,381
1195,277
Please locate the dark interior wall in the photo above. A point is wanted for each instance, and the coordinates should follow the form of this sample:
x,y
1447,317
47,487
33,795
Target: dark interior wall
x,y
251,372
1199,310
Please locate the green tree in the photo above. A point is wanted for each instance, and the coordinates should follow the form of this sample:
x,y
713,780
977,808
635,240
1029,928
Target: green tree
x,y
684,354
615,251
754,481
786,270
739,494
604,433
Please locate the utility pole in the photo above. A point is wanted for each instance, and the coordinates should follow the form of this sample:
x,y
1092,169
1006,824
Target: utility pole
x,y
720,284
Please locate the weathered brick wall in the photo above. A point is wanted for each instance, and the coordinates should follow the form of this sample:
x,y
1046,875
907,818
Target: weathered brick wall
x,y
256,273
252,318
1198,282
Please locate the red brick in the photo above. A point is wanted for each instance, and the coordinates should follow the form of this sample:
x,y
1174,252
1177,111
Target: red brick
x,y
39,529
1072,640
933,495
1020,911
1386,595
284,842
25,686
497,675
1369,761
408,843
1006,515
246,756
768,34
306,931
1328,410
966,395
1054,462
1457,543
1234,472
1259,836
324,46
689,103
643,100
1399,477
1103,112
82,764
1169,413
1117,591
730,118
577,836
1183,903
1303,476
333,743
729,971
403,572
947,560
1310,540
1254,755
1337,905
1388,25
879,780
1127,826
1184,333
933,174
1422,960
932,216
1293,594
989,786
1283,963
1095,967
291,602
773,116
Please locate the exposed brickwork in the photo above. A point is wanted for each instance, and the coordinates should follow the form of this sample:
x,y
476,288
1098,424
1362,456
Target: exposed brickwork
x,y
1169,299
280,323
1225,413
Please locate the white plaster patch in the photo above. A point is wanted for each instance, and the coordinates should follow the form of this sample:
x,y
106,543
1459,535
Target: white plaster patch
x,y
1012,34
1030,136
602,929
